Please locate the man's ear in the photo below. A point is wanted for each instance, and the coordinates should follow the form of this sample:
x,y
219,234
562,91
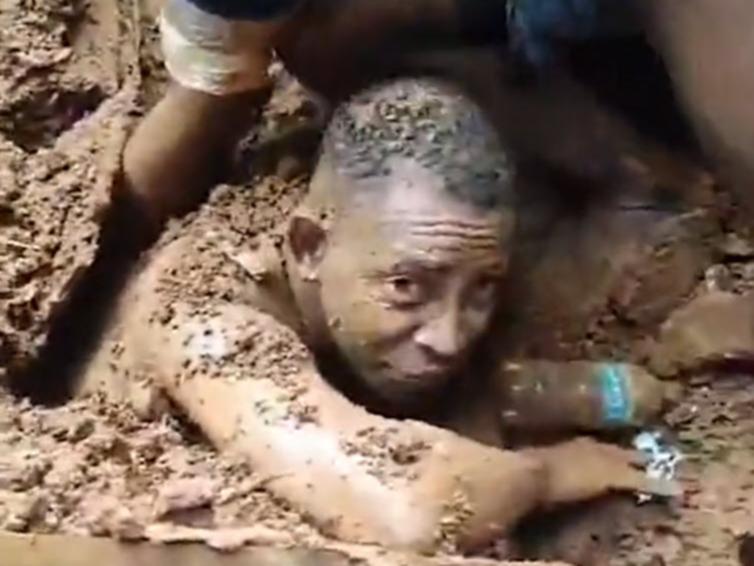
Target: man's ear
x,y
308,241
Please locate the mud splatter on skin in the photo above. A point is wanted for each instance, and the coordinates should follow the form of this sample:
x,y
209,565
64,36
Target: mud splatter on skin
x,y
66,68
385,454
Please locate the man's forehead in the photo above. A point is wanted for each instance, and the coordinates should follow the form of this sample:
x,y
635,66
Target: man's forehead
x,y
415,223
411,193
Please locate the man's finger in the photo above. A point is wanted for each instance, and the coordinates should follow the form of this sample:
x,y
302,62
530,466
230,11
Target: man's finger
x,y
639,481
638,458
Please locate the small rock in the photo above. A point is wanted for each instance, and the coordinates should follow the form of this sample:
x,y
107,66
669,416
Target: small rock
x,y
747,271
289,167
23,470
715,327
68,471
184,494
124,526
80,430
22,510
107,516
736,247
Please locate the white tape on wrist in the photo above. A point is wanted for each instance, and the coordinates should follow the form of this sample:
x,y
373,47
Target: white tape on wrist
x,y
212,70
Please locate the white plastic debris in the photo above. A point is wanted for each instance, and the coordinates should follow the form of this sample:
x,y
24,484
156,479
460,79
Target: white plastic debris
x,y
662,458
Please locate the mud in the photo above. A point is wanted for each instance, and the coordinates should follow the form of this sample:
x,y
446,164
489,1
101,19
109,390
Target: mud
x,y
591,281
66,100
713,427
74,76
95,468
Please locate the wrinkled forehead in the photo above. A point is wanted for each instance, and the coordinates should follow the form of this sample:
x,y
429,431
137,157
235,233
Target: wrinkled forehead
x,y
410,211
411,191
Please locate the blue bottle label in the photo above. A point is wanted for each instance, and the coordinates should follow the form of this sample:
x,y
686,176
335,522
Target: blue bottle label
x,y
617,404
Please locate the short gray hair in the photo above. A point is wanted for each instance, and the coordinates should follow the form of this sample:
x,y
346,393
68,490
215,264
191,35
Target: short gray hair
x,y
427,120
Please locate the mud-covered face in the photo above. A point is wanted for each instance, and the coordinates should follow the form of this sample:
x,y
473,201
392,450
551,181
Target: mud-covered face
x,y
409,279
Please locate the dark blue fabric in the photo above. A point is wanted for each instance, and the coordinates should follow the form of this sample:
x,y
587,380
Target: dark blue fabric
x,y
246,9
535,25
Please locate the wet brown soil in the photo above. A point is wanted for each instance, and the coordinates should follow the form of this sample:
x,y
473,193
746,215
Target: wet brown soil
x,y
73,78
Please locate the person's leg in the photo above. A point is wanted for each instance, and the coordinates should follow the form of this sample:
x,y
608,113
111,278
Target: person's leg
x,y
708,47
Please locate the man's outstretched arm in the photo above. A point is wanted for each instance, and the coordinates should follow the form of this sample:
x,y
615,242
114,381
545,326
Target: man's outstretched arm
x,y
252,387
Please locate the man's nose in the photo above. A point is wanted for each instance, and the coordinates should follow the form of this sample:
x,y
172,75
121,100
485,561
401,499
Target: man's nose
x,y
442,336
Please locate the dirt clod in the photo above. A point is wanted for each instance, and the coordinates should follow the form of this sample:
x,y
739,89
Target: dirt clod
x,y
715,327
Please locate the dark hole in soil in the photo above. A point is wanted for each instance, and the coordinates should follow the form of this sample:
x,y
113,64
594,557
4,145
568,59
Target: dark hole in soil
x,y
586,534
37,121
77,326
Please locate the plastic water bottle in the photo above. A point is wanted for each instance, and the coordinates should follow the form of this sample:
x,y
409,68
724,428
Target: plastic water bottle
x,y
578,395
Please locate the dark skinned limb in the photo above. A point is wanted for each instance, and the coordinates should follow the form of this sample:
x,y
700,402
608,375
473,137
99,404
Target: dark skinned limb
x,y
179,149
182,148
706,46
176,154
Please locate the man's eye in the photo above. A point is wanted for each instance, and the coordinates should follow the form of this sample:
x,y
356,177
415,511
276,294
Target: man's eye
x,y
403,290
484,291
403,285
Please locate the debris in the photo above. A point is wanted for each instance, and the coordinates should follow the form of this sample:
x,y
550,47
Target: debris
x,y
226,540
715,327
19,510
108,516
718,278
184,494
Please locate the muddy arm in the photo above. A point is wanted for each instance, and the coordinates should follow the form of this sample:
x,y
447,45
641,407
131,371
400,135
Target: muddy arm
x,y
181,149
251,386
177,152
584,469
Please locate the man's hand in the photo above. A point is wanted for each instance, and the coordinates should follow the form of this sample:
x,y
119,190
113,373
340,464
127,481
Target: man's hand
x,y
585,468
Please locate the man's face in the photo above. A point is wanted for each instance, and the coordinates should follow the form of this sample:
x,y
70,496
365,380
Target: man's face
x,y
409,279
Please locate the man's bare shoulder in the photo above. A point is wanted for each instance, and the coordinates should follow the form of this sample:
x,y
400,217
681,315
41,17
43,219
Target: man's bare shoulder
x,y
196,296
211,267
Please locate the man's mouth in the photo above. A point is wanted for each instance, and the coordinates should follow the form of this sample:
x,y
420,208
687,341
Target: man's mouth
x,y
424,372
428,372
